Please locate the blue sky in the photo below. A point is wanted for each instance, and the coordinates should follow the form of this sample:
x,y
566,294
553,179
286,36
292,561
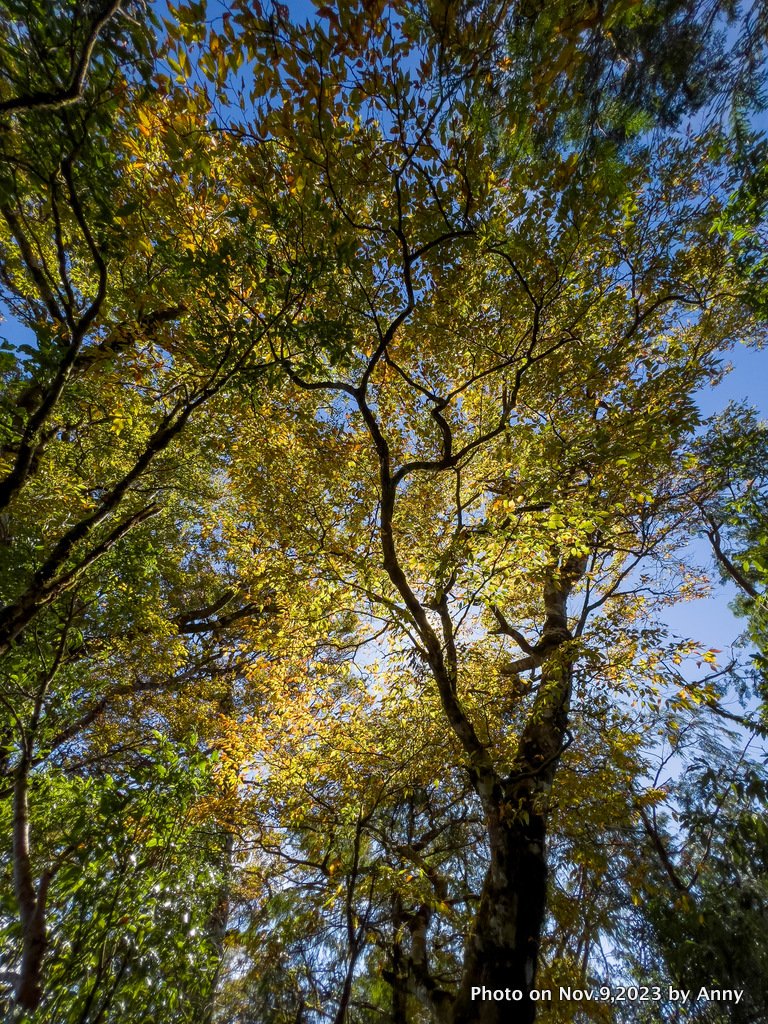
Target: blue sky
x,y
710,619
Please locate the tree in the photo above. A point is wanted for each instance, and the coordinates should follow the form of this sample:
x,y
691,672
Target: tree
x,y
360,405
117,601
131,893
47,54
502,369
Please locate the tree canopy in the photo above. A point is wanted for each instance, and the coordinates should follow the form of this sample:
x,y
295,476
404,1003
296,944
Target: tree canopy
x,y
351,458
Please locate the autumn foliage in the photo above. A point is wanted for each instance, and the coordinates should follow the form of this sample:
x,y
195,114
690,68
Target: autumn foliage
x,y
351,462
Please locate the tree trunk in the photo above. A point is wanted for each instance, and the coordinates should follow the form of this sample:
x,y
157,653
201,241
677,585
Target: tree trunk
x,y
501,952
398,977
31,901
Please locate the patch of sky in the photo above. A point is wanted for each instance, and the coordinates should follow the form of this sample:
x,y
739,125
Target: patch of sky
x,y
711,618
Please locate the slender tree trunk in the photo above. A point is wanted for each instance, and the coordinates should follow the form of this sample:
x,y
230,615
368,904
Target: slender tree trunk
x,y
399,974
31,900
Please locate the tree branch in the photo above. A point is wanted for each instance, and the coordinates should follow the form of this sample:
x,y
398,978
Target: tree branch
x,y
72,93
